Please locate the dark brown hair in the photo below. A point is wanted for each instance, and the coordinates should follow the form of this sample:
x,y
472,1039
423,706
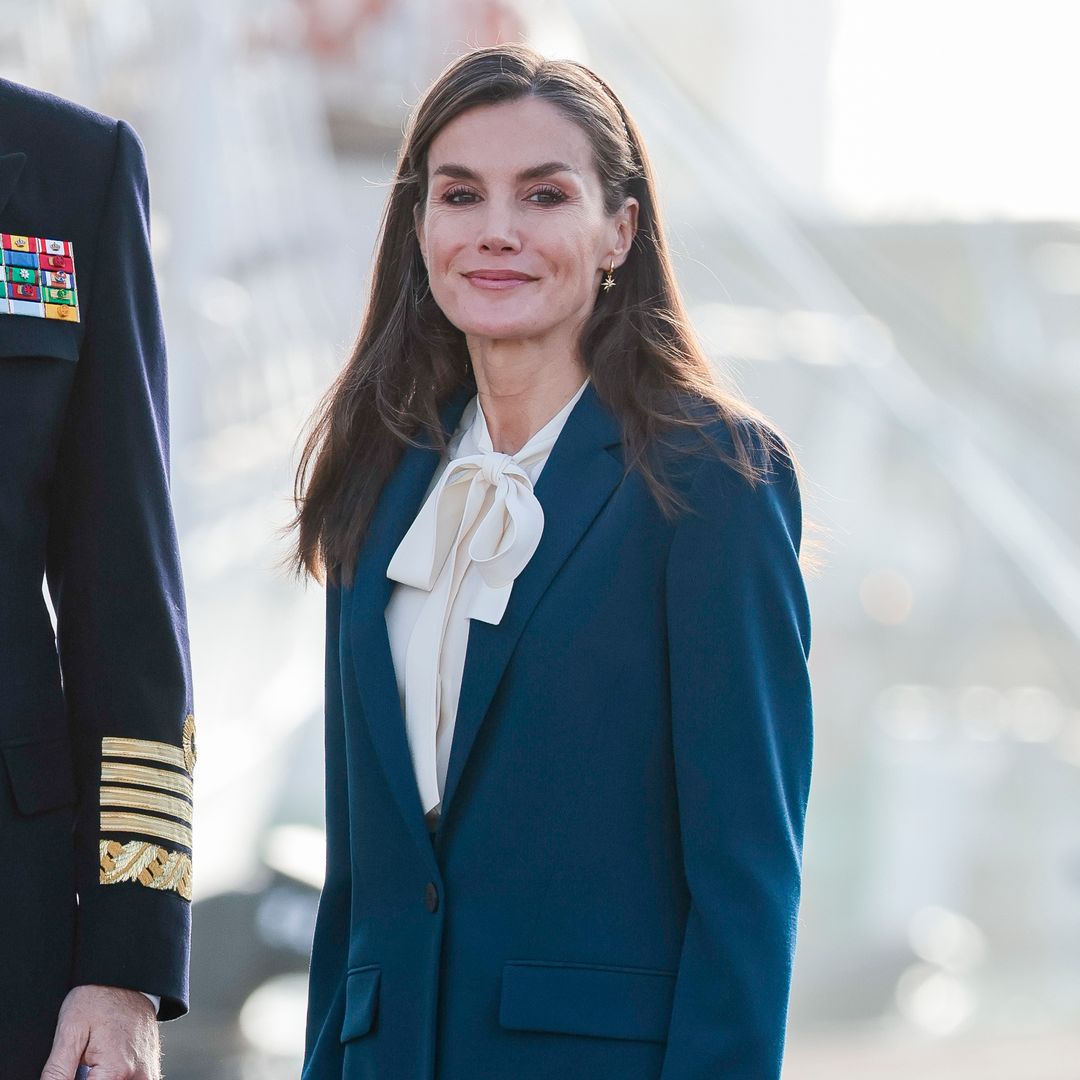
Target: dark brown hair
x,y
637,345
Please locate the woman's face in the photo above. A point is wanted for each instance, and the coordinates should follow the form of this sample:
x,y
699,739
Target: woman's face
x,y
514,232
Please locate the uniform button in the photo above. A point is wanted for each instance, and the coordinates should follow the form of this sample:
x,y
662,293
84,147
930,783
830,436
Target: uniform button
x,y
431,897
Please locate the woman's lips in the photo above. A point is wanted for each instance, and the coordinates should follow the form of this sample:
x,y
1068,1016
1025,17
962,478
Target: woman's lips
x,y
497,281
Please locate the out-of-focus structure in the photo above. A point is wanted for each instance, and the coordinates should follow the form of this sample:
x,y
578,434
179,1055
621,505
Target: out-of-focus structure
x,y
922,352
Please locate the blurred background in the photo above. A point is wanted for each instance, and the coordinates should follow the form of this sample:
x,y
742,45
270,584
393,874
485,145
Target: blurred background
x,y
875,212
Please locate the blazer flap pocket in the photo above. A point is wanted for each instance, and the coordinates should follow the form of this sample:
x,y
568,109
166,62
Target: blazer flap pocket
x,y
26,335
41,774
361,1000
579,999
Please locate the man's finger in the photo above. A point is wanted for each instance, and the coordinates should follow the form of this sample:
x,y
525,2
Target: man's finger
x,y
69,1042
55,1069
62,1063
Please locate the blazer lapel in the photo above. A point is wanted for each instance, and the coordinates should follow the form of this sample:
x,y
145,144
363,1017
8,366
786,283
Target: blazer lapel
x,y
398,505
11,167
576,482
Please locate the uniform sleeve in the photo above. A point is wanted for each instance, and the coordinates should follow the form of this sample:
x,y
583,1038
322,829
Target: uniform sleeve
x,y
326,994
114,575
739,638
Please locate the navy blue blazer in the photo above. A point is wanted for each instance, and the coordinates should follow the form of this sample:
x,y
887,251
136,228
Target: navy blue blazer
x,y
96,735
612,890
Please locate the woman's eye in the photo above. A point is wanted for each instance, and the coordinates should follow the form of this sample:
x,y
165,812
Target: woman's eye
x,y
458,196
547,195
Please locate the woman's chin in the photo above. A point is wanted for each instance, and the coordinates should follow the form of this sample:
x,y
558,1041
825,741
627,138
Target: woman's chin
x,y
500,329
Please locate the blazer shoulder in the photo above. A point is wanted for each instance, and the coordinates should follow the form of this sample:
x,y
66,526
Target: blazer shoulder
x,y
716,447
745,512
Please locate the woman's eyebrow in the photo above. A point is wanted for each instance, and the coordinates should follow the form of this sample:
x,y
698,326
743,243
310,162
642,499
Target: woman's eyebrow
x,y
534,172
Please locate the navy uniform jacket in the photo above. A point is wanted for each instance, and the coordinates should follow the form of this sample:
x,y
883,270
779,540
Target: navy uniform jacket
x,y
612,890
95,723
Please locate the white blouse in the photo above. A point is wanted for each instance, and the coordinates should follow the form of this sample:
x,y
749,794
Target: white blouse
x,y
477,529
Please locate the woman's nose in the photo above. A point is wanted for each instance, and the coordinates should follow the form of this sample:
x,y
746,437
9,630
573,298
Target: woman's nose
x,y
498,232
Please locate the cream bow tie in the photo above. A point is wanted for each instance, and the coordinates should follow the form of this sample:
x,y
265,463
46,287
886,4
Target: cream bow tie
x,y
491,496
482,511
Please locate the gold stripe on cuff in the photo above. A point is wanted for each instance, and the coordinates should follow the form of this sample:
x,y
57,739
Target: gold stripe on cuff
x,y
144,825
147,750
134,799
119,772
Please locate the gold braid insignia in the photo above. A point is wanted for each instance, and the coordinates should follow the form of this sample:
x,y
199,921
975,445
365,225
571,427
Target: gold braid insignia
x,y
189,744
147,864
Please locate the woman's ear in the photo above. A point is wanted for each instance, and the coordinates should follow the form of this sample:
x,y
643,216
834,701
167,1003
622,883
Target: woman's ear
x,y
626,221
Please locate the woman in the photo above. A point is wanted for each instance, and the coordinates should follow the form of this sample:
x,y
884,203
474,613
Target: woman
x,y
567,707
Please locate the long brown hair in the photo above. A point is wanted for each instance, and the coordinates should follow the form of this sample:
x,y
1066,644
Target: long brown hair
x,y
636,345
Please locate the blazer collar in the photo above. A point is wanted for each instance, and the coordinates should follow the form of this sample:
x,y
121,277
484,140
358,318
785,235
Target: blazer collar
x,y
577,480
11,167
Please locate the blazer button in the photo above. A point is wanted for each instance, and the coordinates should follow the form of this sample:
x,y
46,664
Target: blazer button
x,y
431,897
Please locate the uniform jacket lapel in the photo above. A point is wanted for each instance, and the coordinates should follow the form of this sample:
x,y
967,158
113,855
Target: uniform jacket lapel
x,y
577,480
11,167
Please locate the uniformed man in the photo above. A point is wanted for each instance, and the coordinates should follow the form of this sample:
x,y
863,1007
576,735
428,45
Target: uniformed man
x,y
96,730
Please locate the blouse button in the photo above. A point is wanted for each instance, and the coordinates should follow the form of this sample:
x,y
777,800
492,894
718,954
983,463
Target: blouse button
x,y
431,897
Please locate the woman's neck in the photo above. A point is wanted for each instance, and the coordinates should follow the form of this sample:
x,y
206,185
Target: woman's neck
x,y
520,390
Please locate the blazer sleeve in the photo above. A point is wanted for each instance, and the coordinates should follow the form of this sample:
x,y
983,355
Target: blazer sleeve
x,y
113,569
323,1051
739,638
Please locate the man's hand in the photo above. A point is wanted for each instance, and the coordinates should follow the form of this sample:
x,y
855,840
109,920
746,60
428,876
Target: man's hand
x,y
112,1030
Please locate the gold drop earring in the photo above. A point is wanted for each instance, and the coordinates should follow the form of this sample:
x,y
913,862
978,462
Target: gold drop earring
x,y
609,281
